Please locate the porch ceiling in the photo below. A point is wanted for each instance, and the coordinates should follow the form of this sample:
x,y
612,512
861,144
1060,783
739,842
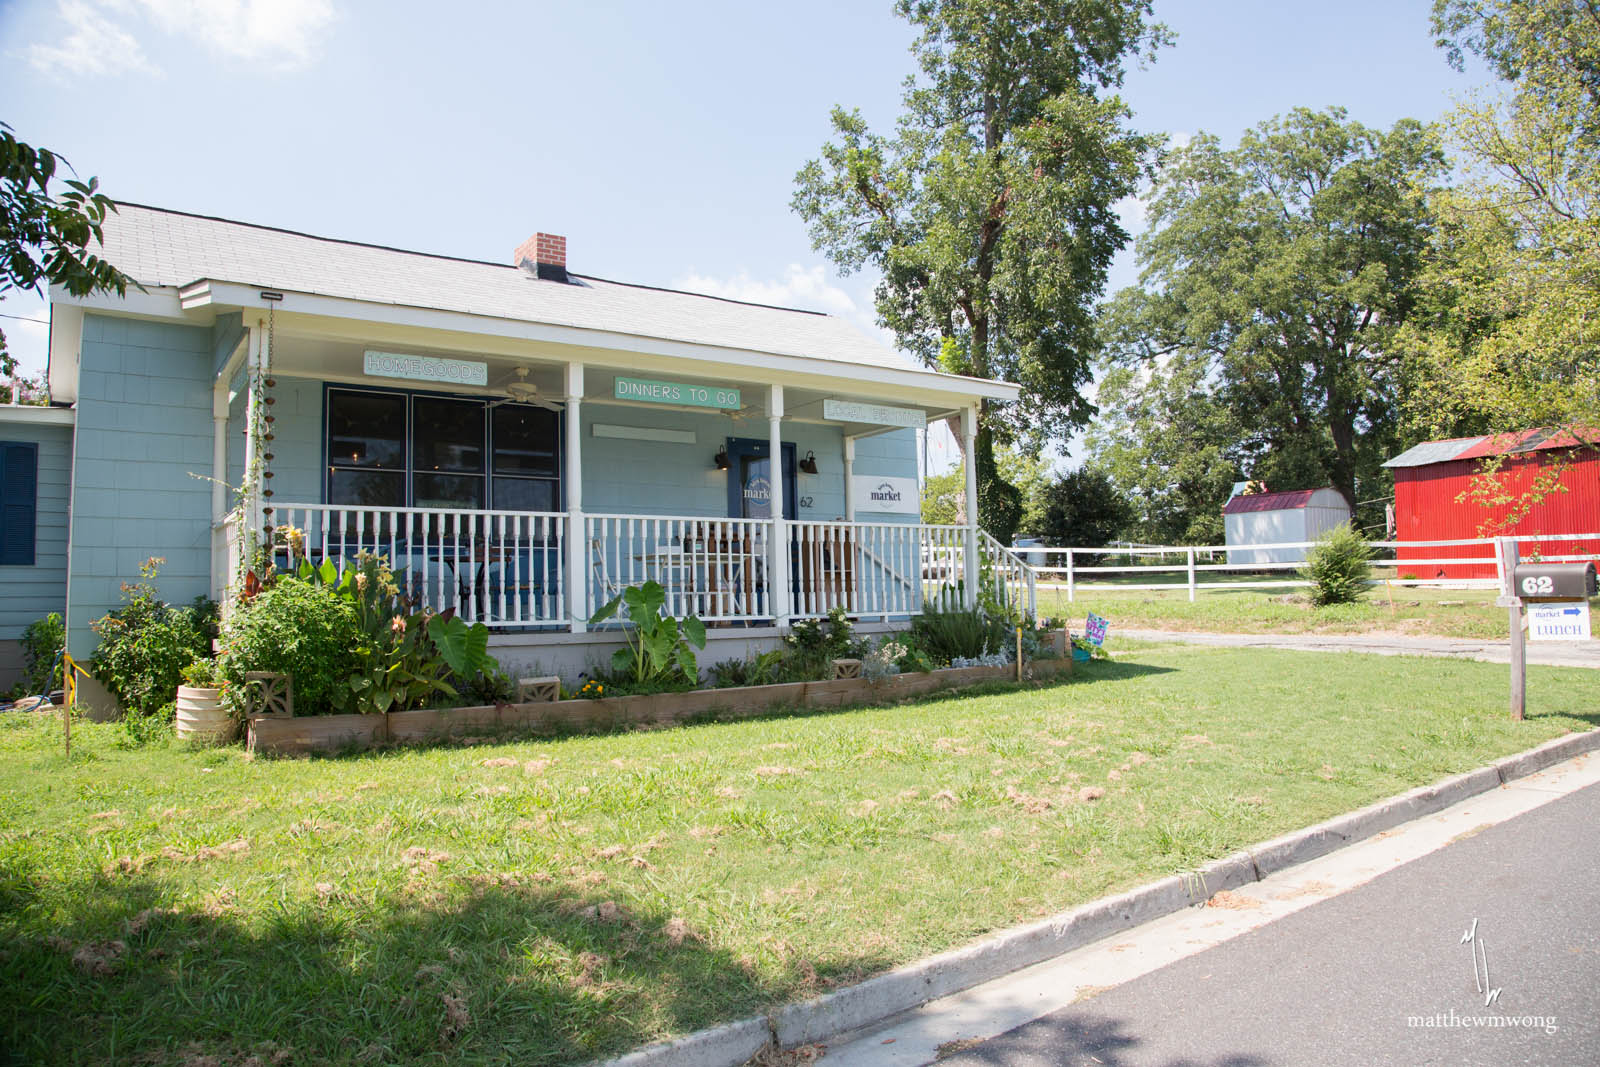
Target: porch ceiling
x,y
341,360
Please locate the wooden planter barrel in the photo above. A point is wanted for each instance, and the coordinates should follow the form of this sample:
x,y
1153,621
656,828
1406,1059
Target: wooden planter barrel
x,y
203,717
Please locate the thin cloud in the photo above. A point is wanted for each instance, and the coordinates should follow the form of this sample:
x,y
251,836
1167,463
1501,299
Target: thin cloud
x,y
280,33
102,37
92,45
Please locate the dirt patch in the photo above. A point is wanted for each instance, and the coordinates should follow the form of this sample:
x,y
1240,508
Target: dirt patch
x,y
424,859
1232,901
775,772
945,799
792,1057
1090,792
456,1017
499,761
99,959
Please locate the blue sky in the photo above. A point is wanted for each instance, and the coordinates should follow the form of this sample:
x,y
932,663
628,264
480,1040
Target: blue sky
x,y
662,139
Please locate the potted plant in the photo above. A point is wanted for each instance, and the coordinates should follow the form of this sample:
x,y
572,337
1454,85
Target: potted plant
x,y
1053,634
201,715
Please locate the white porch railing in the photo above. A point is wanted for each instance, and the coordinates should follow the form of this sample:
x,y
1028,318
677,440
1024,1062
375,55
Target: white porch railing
x,y
509,569
503,568
712,568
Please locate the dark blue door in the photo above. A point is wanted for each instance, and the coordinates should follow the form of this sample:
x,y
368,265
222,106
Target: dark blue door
x,y
750,479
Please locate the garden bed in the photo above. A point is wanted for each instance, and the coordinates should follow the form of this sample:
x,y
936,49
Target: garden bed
x,y
331,733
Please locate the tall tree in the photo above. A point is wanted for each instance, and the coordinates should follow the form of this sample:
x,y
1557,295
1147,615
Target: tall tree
x,y
1085,509
45,234
1172,447
1284,267
990,210
1512,335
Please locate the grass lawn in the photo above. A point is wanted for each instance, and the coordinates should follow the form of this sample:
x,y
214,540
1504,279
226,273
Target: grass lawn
x,y
1468,613
543,902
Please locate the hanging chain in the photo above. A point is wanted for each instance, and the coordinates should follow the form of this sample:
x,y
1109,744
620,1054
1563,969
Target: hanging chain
x,y
267,419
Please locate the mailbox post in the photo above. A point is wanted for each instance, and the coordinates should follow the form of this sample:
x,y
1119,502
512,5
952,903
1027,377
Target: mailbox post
x,y
1524,584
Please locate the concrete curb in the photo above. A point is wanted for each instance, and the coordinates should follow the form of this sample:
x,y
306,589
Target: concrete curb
x,y
915,984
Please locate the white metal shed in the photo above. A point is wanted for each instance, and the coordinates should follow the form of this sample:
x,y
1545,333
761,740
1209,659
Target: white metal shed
x,y
1273,518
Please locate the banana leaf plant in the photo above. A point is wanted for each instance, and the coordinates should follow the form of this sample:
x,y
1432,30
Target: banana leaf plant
x,y
659,646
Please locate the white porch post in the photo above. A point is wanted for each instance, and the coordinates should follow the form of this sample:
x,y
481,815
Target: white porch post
x,y
849,477
251,517
969,434
577,561
219,489
778,557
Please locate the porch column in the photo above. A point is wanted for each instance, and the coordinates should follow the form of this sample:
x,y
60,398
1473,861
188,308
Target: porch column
x,y
969,434
577,561
219,489
778,551
251,516
849,476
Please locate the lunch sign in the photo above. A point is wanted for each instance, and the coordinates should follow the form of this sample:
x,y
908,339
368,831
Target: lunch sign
x,y
681,393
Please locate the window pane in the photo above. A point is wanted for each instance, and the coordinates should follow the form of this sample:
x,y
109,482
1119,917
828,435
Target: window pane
x,y
525,440
446,491
366,429
447,435
524,494
372,489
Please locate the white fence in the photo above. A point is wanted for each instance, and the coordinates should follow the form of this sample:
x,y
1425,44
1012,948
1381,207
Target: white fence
x,y
1192,564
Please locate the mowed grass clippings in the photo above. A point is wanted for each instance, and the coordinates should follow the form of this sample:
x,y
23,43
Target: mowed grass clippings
x,y
545,902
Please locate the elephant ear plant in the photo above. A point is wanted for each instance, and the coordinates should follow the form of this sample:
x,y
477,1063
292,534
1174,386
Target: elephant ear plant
x,y
660,648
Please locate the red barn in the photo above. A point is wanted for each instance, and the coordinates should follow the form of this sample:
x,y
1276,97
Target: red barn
x,y
1432,500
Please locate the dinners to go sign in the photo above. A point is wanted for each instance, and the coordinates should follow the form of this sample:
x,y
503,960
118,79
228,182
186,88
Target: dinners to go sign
x,y
694,396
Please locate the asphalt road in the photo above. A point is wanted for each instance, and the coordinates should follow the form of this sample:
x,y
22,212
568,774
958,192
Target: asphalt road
x,y
1377,975
1545,653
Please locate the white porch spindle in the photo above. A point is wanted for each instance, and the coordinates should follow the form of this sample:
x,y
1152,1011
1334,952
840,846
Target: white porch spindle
x,y
577,561
778,565
969,434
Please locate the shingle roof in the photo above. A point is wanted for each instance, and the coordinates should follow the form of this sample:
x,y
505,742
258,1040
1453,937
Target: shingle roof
x,y
171,248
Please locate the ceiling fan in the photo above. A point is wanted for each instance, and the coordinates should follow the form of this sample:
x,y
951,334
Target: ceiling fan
x,y
518,390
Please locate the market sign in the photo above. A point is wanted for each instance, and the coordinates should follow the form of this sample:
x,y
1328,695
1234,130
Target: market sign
x,y
876,414
426,368
1558,620
681,393
874,492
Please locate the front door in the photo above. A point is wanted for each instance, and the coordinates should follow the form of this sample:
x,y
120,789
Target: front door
x,y
750,479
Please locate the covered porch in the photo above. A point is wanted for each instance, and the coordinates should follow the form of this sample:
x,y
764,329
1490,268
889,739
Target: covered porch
x,y
523,486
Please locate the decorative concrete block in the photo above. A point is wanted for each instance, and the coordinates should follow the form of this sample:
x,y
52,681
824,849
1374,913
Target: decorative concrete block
x,y
847,668
538,690
270,696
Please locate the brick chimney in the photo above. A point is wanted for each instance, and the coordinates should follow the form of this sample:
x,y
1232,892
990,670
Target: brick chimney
x,y
545,254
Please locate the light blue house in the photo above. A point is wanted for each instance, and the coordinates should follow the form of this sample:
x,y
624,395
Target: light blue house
x,y
519,439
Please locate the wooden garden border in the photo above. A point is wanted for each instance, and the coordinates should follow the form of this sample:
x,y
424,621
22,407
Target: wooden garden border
x,y
331,733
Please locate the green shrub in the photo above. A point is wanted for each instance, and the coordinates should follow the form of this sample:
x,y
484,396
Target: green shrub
x,y
959,633
42,642
762,670
296,628
146,644
1339,566
812,645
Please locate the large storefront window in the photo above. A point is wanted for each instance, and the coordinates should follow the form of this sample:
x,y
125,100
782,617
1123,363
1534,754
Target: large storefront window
x,y
389,449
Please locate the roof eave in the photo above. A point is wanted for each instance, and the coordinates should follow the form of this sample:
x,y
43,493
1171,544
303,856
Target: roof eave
x,y
200,300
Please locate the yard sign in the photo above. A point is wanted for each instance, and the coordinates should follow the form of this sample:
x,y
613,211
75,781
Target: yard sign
x,y
1094,629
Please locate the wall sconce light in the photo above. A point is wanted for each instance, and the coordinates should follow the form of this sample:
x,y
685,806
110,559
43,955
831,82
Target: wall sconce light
x,y
721,458
809,464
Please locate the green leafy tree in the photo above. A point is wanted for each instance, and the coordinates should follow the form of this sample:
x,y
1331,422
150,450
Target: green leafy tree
x,y
1085,509
45,234
1172,445
1511,338
944,495
1283,268
990,211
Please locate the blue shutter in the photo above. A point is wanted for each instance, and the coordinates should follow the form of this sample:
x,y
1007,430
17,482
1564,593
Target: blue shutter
x,y
19,495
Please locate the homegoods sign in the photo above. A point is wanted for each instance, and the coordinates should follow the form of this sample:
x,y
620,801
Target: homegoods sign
x,y
682,393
